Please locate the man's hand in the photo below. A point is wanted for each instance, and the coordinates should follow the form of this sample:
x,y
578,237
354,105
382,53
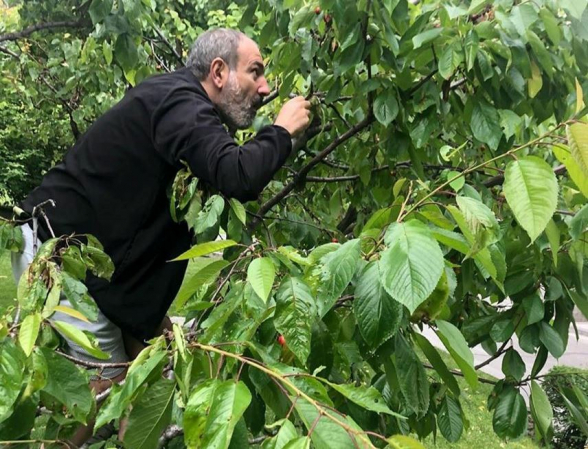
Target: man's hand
x,y
294,116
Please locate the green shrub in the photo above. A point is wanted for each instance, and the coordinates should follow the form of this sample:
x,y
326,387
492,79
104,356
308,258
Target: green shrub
x,y
567,435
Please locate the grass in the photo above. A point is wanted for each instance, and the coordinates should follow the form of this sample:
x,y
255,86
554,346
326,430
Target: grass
x,y
7,286
479,435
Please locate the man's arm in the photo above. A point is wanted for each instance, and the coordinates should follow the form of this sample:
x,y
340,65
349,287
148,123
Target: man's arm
x,y
187,127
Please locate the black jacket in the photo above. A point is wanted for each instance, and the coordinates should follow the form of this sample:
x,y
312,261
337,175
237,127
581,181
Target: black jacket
x,y
113,182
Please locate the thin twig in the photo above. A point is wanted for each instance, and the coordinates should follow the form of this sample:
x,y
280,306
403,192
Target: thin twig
x,y
169,45
9,52
88,364
268,205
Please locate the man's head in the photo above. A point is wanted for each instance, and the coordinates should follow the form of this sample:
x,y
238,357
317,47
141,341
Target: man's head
x,y
230,68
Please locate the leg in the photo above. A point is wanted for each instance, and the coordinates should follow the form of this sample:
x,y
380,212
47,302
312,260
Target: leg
x,y
98,386
133,347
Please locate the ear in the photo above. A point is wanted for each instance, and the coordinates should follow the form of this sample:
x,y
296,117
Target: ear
x,y
219,72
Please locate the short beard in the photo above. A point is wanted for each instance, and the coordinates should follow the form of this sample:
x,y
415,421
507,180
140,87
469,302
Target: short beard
x,y
236,109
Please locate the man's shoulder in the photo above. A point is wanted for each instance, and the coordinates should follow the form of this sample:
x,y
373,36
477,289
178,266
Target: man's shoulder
x,y
178,78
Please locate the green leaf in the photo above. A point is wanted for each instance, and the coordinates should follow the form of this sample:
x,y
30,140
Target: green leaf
x,y
77,336
485,123
21,422
295,313
540,52
378,315
451,239
551,339
449,419
12,370
213,411
210,214
413,263
239,210
107,52
553,236
150,416
196,413
120,397
577,416
481,222
513,365
412,377
32,291
579,223
534,308
339,267
71,312
580,301
99,9
457,346
205,248
535,83
68,384
472,44
404,442
541,411
386,107
426,37
564,155
29,330
98,262
438,364
484,260
206,275
530,188
578,140
125,51
450,60
327,434
366,397
350,57
510,414
476,6
299,443
77,294
551,25
286,434
458,180
574,7
261,274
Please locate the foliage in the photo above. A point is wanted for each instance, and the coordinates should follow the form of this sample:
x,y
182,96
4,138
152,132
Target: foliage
x,y
435,157
567,433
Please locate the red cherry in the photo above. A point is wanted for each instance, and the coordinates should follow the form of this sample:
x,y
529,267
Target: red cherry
x,y
327,18
317,10
335,240
281,340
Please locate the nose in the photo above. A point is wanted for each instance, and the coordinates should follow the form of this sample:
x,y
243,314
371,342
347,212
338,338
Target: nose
x,y
263,88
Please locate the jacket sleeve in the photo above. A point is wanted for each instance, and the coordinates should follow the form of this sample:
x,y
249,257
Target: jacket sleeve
x,y
187,127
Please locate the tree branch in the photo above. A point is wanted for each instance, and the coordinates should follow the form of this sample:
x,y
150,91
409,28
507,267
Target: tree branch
x,y
169,434
266,207
41,26
9,52
169,45
499,179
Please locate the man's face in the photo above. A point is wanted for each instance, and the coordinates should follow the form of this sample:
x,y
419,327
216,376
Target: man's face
x,y
242,95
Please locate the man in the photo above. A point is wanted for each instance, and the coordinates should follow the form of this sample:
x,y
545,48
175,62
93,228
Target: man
x,y
113,183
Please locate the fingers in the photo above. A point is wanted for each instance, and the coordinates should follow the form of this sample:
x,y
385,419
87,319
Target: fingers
x,y
295,115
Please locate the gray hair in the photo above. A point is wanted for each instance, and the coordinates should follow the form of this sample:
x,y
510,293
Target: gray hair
x,y
218,43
